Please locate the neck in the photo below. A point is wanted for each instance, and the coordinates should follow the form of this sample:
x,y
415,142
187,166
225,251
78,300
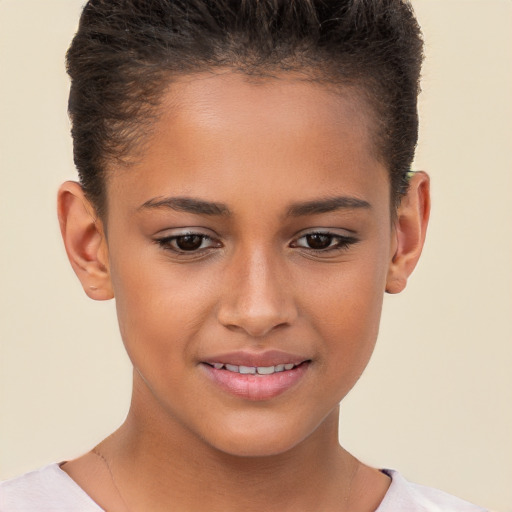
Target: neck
x,y
176,467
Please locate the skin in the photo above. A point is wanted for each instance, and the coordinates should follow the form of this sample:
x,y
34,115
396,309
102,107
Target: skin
x,y
258,148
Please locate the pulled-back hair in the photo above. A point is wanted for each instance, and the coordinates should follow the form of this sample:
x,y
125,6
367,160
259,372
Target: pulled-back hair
x,y
127,52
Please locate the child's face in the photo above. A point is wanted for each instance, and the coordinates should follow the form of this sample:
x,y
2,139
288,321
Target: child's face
x,y
245,285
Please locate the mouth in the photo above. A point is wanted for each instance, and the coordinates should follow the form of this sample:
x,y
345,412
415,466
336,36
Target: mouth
x,y
255,370
256,382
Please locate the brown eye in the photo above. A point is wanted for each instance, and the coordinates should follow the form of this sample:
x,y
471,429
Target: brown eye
x,y
189,242
324,242
318,241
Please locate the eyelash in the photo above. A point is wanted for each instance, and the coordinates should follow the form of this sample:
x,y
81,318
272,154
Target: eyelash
x,y
343,242
167,243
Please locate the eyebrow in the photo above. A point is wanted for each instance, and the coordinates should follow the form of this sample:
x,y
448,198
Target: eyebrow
x,y
329,204
187,205
202,207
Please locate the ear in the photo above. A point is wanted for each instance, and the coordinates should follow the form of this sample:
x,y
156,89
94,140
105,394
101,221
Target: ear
x,y
410,229
85,241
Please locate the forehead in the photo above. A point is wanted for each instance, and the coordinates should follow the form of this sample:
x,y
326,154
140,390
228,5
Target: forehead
x,y
238,132
234,89
289,104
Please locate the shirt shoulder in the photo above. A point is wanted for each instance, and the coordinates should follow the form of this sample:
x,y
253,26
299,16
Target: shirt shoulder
x,y
404,496
44,490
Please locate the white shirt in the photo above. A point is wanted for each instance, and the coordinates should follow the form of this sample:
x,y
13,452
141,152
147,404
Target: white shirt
x,y
51,489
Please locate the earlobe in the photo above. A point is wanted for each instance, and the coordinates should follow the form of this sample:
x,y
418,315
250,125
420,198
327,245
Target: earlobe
x,y
85,241
410,230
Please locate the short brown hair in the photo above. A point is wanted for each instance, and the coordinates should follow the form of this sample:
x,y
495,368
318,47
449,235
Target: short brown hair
x,y
127,51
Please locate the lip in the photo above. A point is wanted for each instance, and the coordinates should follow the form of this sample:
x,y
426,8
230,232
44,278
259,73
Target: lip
x,y
256,387
247,358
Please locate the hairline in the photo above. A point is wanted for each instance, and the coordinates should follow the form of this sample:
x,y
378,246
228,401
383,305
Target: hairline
x,y
165,99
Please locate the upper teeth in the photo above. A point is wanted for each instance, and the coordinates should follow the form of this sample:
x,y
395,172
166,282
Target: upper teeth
x,y
253,370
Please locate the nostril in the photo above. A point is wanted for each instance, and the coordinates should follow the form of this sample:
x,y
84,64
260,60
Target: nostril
x,y
258,327
255,321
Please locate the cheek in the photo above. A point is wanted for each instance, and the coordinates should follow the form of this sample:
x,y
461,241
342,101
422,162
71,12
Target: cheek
x,y
348,298
346,315
158,310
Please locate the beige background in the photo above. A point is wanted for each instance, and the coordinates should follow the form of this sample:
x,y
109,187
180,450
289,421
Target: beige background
x,y
436,400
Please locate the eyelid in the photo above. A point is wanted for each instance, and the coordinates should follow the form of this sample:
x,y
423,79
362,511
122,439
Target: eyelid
x,y
326,231
185,230
170,233
334,232
165,241
344,239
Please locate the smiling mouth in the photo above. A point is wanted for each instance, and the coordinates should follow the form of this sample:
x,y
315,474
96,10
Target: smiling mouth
x,y
255,370
256,382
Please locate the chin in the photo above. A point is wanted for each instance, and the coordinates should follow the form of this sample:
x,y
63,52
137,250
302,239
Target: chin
x,y
263,437
255,446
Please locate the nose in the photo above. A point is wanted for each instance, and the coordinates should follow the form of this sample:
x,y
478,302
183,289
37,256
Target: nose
x,y
257,295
